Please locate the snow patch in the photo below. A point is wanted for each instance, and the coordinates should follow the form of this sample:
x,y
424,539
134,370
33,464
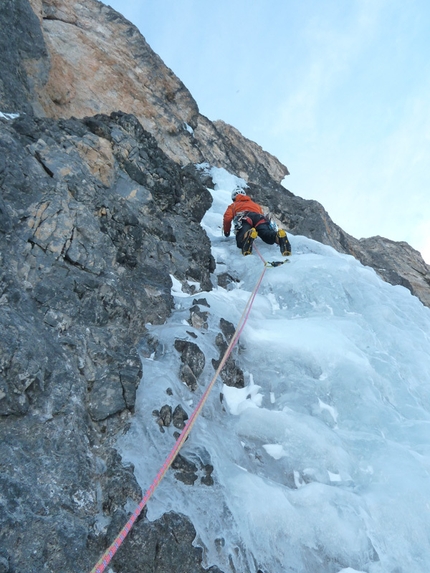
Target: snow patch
x,y
8,116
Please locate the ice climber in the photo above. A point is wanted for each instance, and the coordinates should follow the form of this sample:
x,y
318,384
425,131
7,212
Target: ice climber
x,y
249,222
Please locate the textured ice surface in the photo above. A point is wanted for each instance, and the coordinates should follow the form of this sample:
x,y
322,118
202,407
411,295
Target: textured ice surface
x,y
321,464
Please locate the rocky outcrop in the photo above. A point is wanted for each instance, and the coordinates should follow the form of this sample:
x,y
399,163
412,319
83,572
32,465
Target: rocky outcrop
x,y
163,548
395,262
97,69
224,146
94,218
78,69
23,48
59,64
193,362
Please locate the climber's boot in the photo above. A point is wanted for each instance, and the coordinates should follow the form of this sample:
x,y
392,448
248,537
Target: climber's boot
x,y
249,239
284,243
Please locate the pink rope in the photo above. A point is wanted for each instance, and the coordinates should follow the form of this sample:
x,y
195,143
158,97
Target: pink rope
x,y
259,254
110,552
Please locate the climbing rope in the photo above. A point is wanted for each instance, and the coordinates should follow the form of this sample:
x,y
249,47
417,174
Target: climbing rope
x,y
110,552
270,263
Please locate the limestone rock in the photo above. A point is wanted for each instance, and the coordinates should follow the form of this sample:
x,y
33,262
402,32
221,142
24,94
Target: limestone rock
x,y
80,69
193,362
253,162
395,262
224,146
94,217
110,67
231,374
164,546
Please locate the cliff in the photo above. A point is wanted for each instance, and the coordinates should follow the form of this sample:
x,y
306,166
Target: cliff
x,y
81,69
74,68
91,228
100,205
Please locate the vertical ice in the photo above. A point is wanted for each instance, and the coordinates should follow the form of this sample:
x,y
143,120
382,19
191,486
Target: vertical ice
x,y
322,462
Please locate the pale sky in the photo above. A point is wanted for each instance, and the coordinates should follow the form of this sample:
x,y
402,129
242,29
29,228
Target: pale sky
x,y
338,91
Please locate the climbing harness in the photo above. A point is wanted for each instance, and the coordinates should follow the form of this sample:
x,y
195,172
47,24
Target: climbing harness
x,y
110,552
243,216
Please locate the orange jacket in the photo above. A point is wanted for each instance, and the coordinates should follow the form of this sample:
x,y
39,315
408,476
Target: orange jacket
x,y
241,204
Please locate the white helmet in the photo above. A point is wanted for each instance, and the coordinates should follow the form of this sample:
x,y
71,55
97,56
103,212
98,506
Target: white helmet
x,y
236,192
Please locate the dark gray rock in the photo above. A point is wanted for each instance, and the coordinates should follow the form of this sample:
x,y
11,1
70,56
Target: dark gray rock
x,y
4,565
23,49
188,377
164,416
201,301
106,398
225,280
198,318
179,417
185,470
90,230
230,374
193,362
207,479
164,546
227,328
395,262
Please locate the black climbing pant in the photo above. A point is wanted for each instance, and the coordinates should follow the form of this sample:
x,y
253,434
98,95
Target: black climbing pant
x,y
264,230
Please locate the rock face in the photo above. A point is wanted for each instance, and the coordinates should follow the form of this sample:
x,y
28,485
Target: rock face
x,y
80,69
22,47
99,208
90,69
94,218
60,64
396,262
224,146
